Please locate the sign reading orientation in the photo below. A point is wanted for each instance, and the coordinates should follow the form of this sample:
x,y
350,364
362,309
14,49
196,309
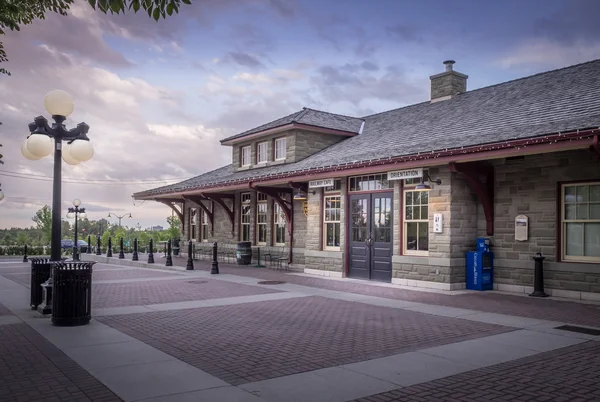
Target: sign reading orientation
x,y
405,174
320,183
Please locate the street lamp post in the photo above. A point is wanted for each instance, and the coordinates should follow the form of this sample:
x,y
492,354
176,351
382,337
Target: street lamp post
x,y
78,148
76,212
127,215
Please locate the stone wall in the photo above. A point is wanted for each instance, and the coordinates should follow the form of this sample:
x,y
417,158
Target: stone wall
x,y
529,186
299,143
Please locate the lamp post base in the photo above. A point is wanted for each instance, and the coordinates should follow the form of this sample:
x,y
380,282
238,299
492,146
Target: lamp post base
x,y
539,293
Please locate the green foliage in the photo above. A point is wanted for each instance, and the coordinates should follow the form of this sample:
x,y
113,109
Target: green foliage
x,y
174,230
43,220
16,13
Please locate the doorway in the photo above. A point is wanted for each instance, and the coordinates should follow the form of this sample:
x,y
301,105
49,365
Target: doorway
x,y
371,230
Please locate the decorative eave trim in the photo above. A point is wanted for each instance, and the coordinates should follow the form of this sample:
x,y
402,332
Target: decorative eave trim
x,y
287,127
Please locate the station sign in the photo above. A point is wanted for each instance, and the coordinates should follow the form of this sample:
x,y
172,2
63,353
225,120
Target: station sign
x,y
405,174
321,183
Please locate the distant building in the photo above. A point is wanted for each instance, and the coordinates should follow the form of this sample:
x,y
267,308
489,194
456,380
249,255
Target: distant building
x,y
156,228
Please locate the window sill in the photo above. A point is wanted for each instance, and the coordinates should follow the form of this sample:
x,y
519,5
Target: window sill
x,y
245,167
416,253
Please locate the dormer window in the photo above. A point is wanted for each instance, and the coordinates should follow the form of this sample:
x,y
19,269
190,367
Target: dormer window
x,y
280,149
246,156
261,152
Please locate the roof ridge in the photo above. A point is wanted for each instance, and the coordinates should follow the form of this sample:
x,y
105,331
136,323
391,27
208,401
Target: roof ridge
x,y
299,115
494,85
334,114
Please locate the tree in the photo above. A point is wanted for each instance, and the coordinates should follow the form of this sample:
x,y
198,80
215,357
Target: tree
x,y
43,220
15,13
174,230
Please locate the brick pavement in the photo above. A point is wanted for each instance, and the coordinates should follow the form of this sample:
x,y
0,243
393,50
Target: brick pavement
x,y
22,278
32,369
4,310
256,341
111,274
157,292
568,374
523,306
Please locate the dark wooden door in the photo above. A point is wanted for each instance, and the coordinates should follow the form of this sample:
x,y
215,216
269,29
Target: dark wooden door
x,y
381,236
371,229
360,253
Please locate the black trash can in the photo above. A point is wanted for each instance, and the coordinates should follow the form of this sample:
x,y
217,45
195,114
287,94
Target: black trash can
x,y
40,272
244,253
72,293
176,247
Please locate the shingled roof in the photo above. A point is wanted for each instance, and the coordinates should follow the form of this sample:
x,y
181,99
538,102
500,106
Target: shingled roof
x,y
546,103
309,117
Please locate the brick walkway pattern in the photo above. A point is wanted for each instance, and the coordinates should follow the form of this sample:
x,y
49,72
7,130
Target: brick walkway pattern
x,y
157,292
545,309
257,341
4,310
568,374
32,369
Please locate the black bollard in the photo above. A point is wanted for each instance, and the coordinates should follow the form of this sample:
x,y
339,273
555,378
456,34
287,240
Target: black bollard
x,y
109,251
190,263
151,252
98,246
135,250
25,253
215,263
121,253
169,261
538,280
89,247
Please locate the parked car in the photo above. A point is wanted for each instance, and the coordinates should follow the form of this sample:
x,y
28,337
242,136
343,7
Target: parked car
x,y
67,244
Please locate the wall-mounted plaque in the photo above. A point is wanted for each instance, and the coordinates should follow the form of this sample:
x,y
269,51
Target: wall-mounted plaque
x,y
521,227
438,223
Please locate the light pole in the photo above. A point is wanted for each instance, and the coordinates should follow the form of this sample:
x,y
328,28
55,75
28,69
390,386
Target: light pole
x,y
127,215
39,144
76,212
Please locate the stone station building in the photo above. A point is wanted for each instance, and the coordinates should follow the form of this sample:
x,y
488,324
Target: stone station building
x,y
401,196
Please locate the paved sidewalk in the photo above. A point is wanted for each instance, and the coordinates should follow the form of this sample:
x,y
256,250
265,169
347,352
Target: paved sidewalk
x,y
172,335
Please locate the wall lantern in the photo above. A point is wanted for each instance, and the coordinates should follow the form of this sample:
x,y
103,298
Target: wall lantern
x,y
426,187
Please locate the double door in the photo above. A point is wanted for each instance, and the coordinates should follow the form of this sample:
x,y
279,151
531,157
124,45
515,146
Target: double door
x,y
371,230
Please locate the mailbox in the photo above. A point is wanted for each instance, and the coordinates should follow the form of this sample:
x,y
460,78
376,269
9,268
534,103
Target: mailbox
x,y
480,267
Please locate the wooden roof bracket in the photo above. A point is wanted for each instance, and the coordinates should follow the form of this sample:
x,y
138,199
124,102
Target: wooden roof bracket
x,y
198,201
485,191
286,206
595,147
218,198
171,204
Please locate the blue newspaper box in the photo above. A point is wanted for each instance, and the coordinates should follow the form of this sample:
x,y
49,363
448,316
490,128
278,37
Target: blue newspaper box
x,y
483,244
480,270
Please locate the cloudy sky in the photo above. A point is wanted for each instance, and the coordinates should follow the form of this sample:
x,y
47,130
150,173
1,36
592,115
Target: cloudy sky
x,y
159,96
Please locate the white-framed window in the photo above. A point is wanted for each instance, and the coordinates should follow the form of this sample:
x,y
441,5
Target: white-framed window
x,y
279,223
261,218
193,224
332,215
280,149
204,222
580,222
416,222
246,155
261,152
369,183
245,212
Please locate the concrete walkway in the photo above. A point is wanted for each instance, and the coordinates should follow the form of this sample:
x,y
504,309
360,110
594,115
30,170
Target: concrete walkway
x,y
147,352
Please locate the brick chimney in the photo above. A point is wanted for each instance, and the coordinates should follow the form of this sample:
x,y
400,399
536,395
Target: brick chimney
x,y
447,84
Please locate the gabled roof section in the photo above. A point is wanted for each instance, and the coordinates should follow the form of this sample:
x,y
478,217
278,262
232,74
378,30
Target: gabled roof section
x,y
544,105
306,117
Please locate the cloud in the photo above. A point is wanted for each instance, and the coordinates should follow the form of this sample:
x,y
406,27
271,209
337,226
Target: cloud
x,y
404,32
242,59
543,54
